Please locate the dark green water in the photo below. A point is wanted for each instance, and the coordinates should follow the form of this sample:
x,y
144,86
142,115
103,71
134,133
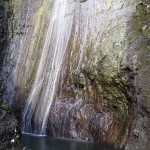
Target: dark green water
x,y
48,143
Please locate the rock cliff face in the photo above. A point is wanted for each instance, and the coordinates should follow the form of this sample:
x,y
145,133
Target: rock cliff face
x,y
9,130
10,134
139,75
102,89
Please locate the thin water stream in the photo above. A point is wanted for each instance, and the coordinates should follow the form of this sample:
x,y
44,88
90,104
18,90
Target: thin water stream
x,y
48,73
51,64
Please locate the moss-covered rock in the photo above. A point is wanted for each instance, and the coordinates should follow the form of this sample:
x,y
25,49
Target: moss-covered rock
x,y
10,135
143,15
4,106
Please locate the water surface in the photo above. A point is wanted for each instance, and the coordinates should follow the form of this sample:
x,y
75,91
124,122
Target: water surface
x,y
47,143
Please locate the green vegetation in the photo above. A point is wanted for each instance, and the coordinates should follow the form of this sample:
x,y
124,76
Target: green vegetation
x,y
4,106
143,15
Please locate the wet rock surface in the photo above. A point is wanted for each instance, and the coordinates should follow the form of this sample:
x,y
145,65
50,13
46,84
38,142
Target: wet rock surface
x,y
104,87
86,122
10,134
139,75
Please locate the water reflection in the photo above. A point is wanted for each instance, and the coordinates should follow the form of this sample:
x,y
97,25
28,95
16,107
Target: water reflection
x,y
47,143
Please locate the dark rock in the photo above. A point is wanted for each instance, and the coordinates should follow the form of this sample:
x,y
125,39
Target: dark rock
x,y
10,134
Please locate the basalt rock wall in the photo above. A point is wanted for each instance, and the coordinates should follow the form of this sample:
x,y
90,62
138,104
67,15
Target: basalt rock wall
x,y
102,92
10,134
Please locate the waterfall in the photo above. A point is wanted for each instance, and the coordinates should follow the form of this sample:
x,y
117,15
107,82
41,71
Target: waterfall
x,y
70,21
65,55
46,83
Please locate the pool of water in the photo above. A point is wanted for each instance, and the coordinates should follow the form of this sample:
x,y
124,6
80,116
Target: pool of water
x,y
47,143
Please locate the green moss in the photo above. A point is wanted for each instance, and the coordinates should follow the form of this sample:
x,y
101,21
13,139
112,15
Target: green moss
x,y
148,47
110,3
4,106
104,76
143,15
117,88
10,8
110,84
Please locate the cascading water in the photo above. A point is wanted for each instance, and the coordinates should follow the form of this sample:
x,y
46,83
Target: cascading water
x,y
68,18
47,78
64,64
